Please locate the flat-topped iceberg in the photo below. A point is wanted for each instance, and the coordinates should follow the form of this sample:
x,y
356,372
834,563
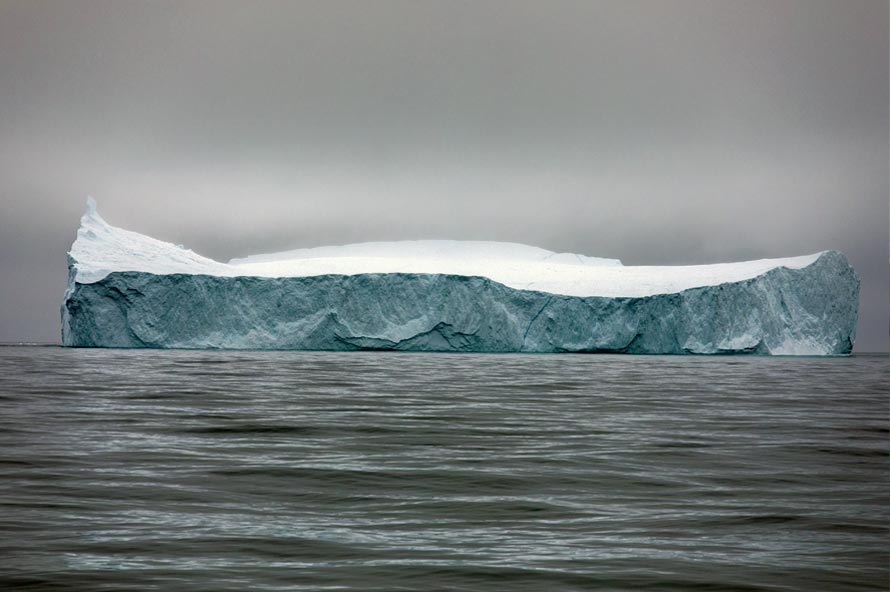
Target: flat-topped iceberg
x,y
129,290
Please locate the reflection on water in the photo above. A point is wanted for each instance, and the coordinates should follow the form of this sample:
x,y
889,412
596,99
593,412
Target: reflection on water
x,y
178,470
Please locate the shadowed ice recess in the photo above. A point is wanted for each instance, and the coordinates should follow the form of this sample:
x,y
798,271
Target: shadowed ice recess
x,y
129,290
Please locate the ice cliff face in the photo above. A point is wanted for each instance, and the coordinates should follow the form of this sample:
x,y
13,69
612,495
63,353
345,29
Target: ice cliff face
x,y
128,290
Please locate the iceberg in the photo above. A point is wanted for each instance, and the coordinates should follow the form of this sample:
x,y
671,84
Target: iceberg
x,y
129,290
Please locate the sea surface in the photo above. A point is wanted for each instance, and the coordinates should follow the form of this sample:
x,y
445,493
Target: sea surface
x,y
210,470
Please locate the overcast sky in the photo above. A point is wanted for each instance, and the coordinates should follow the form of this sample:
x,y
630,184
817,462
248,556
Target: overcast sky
x,y
656,132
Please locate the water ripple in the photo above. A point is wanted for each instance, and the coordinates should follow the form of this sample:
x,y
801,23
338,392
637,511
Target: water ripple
x,y
178,470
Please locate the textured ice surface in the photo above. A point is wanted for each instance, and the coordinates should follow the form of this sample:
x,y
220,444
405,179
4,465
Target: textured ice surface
x,y
129,290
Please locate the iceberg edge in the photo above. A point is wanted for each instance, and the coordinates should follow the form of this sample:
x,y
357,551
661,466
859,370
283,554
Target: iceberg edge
x,y
808,311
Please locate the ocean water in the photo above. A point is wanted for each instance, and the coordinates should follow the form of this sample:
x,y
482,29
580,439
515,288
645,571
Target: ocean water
x,y
183,470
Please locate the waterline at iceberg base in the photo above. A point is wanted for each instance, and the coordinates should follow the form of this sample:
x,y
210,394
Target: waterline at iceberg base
x,y
129,290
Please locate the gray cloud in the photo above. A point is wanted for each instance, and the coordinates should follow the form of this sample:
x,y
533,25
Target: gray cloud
x,y
658,132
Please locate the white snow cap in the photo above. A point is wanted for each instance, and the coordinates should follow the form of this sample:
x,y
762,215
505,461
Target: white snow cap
x,y
101,249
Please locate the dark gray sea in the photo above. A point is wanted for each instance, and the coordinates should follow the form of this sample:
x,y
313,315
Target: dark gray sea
x,y
183,470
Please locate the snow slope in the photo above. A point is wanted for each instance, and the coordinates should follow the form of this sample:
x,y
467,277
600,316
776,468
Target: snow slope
x,y
101,249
